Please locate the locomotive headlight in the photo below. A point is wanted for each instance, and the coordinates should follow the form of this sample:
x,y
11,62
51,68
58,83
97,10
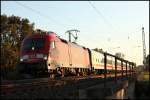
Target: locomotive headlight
x,y
45,57
21,59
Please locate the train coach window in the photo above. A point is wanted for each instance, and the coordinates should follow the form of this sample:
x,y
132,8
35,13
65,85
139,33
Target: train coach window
x,y
52,45
102,61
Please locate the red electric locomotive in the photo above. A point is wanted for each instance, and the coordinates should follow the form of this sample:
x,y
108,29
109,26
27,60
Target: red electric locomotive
x,y
50,55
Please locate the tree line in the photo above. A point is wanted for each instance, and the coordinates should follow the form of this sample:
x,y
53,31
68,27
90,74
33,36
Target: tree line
x,y
13,31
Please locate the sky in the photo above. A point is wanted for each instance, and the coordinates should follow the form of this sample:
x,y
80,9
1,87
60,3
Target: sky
x,y
114,26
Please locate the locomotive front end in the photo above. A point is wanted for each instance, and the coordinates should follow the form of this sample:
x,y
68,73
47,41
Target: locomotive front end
x,y
35,53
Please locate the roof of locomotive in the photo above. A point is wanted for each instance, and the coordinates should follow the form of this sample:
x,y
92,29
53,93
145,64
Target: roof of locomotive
x,y
72,43
52,36
36,35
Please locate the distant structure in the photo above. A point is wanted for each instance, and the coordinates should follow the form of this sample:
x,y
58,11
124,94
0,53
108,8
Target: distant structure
x,y
120,55
98,50
144,46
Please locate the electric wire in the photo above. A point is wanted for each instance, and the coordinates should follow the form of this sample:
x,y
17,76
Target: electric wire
x,y
39,13
101,15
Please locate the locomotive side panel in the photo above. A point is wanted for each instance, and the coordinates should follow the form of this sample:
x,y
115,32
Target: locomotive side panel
x,y
77,56
61,54
87,58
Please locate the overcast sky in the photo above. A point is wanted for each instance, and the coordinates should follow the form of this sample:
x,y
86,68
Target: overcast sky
x,y
114,26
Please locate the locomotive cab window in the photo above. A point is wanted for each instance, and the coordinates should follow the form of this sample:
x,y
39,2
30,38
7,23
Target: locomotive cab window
x,y
52,45
34,44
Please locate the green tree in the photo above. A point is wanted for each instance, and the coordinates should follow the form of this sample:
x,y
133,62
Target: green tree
x,y
13,31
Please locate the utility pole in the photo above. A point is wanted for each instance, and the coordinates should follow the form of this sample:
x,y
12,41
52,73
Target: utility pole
x,y
144,46
71,34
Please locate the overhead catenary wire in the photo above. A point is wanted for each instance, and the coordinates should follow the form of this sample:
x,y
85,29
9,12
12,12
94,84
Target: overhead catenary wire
x,y
39,13
101,15
104,18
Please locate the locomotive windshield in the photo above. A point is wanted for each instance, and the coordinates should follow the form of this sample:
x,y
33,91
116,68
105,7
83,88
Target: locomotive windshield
x,y
34,44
